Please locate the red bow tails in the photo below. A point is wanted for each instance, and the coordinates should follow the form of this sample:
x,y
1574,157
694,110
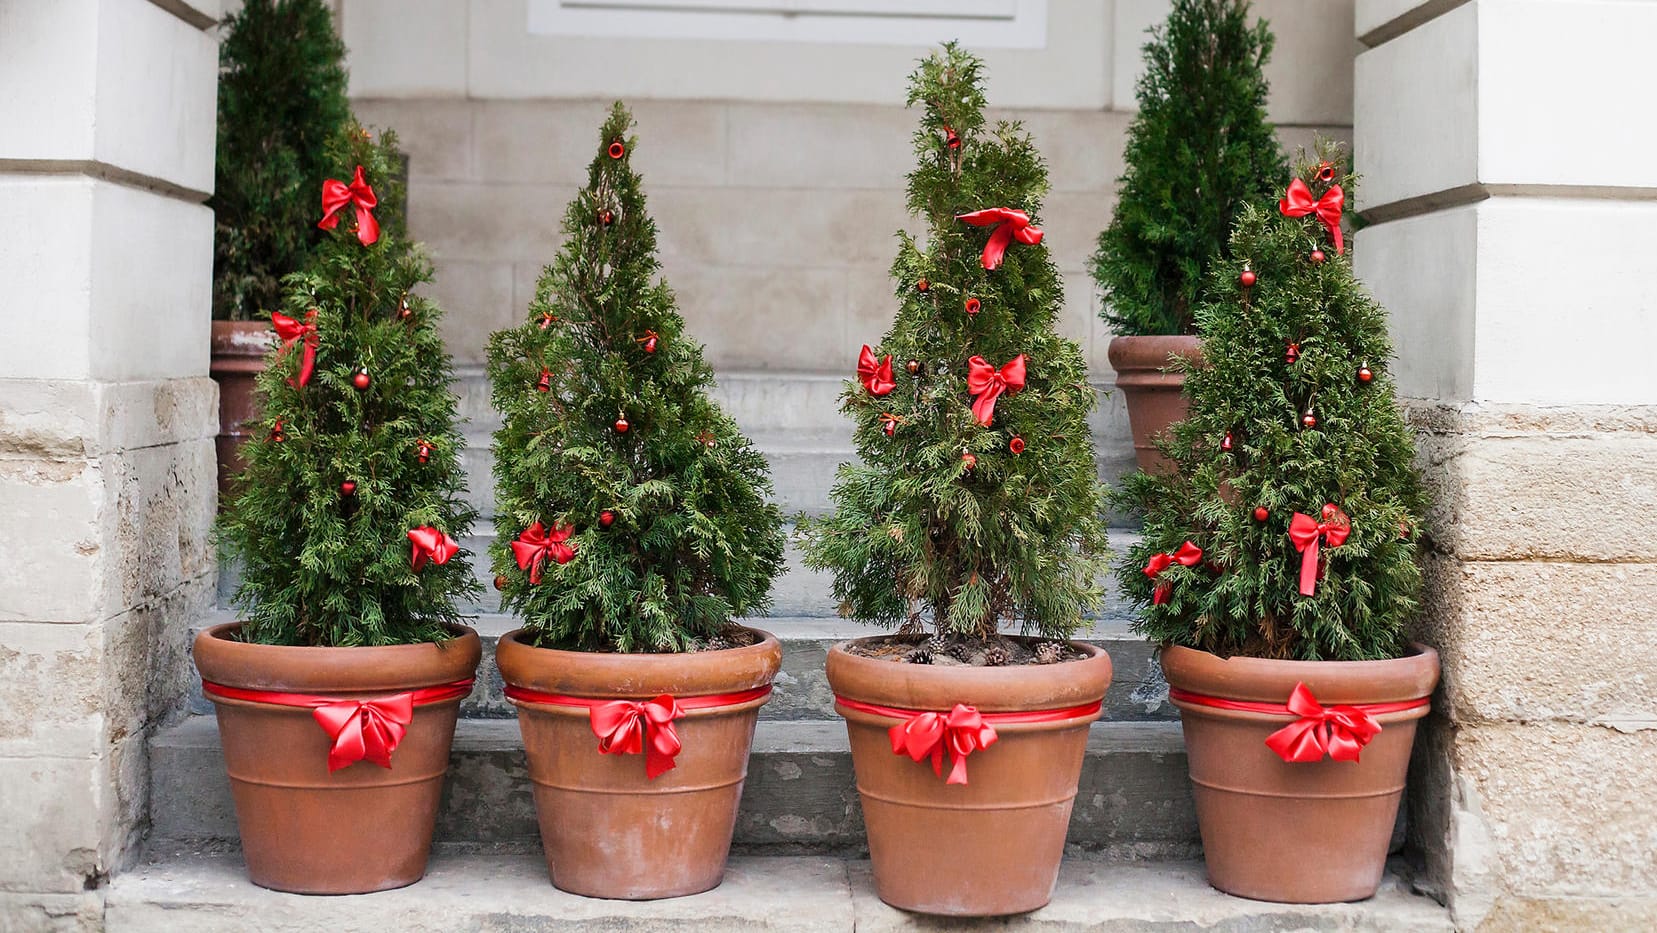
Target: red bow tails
x,y
961,732
336,195
877,379
535,545
1306,533
430,544
1009,225
628,727
288,330
1298,203
988,383
1188,555
1339,731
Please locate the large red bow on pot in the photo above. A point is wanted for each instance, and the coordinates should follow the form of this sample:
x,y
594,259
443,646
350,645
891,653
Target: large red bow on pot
x,y
1341,731
534,545
987,383
961,731
1307,532
1009,224
431,544
876,378
628,727
288,330
1299,202
1188,555
337,194
365,730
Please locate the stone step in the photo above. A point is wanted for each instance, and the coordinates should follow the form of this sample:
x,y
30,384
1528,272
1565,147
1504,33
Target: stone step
x,y
508,890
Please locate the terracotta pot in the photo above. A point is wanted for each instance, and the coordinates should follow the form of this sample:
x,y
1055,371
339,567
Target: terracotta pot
x,y
1299,833
991,846
239,349
607,828
359,829
1153,394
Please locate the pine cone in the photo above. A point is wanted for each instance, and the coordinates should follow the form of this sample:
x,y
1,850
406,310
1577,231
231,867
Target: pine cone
x,y
937,644
1049,652
919,656
717,643
961,650
996,656
695,645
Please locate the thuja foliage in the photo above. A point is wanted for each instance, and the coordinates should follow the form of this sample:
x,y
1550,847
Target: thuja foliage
x,y
947,520
1297,378
340,473
1198,150
281,98
632,515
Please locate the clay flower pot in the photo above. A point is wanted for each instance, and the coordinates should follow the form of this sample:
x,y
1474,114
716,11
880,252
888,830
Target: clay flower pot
x,y
311,823
1308,831
609,827
991,845
1152,393
239,349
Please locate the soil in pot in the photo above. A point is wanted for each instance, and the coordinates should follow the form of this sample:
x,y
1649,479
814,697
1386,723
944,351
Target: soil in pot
x,y
238,356
1152,390
611,829
991,845
311,830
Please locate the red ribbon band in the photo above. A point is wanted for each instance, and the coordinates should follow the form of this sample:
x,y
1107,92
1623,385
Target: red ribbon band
x,y
1298,202
358,729
336,195
1009,225
288,330
988,383
1340,731
961,731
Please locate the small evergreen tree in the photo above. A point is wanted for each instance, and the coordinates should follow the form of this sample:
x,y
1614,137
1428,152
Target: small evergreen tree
x,y
281,99
1295,478
976,497
344,514
1199,149
632,515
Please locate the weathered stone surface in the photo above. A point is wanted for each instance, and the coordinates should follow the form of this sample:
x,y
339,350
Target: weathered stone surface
x,y
49,686
55,809
51,913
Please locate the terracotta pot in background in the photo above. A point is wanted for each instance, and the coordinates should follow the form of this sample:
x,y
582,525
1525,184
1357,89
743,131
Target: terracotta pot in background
x,y
608,829
991,846
239,349
1153,396
362,828
1295,832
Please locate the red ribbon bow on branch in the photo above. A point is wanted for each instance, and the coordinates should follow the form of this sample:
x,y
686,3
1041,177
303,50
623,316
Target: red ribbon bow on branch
x,y
431,544
961,731
877,379
337,194
1341,731
1188,555
1010,225
1298,203
534,545
288,330
987,383
628,727
365,730
1307,532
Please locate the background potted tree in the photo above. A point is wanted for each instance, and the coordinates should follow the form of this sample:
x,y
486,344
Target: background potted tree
x,y
1199,148
975,504
633,527
1278,563
337,693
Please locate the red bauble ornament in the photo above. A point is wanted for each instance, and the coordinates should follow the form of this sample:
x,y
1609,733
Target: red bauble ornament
x,y
1364,375
972,305
347,488
617,150
649,340
1309,420
1248,278
923,286
1403,530
360,380
968,459
547,319
404,312
1292,353
914,366
1326,172
706,439
951,140
606,217
889,425
1261,513
276,435
1317,255
500,581
1330,510
606,518
1016,445
544,384
622,425
423,451
1225,442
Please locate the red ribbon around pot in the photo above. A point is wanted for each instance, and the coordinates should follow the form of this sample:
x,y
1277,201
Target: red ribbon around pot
x,y
1298,202
1188,555
923,734
430,544
1009,225
876,378
358,729
535,545
1341,732
336,195
1306,533
288,330
987,384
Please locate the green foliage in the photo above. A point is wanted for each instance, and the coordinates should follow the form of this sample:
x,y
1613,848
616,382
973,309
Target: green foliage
x,y
694,540
1199,149
323,567
1017,537
281,98
1244,598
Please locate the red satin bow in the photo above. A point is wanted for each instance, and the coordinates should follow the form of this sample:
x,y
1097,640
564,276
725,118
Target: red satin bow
x,y
627,727
1188,555
1341,731
336,195
987,383
1010,225
1307,532
430,544
961,731
288,330
534,545
1298,203
365,730
877,379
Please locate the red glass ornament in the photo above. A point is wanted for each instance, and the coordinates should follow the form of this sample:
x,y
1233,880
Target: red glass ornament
x,y
1292,353
547,319
1309,420
424,452
1016,445
1329,510
889,425
649,340
622,425
706,439
1317,255
360,380
606,217
617,150
347,488
1248,278
1364,375
1261,513
1403,530
544,384
951,140
914,366
922,286
972,305
500,581
969,459
606,518
1326,171
276,434
1225,442
404,312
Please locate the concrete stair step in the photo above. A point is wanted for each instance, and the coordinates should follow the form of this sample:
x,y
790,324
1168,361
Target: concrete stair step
x,y
509,891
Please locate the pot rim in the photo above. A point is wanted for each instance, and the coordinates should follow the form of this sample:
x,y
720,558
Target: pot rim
x,y
1008,689
334,669
1270,680
638,676
1150,352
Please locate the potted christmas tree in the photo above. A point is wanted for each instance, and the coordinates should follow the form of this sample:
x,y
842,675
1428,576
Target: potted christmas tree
x,y
976,504
1278,564
1199,148
632,527
338,691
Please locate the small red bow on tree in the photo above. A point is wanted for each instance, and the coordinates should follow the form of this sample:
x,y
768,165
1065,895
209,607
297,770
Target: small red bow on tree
x,y
1307,532
877,379
365,730
628,727
289,330
1188,555
988,383
1341,731
1298,203
431,544
534,545
337,194
961,731
1010,225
